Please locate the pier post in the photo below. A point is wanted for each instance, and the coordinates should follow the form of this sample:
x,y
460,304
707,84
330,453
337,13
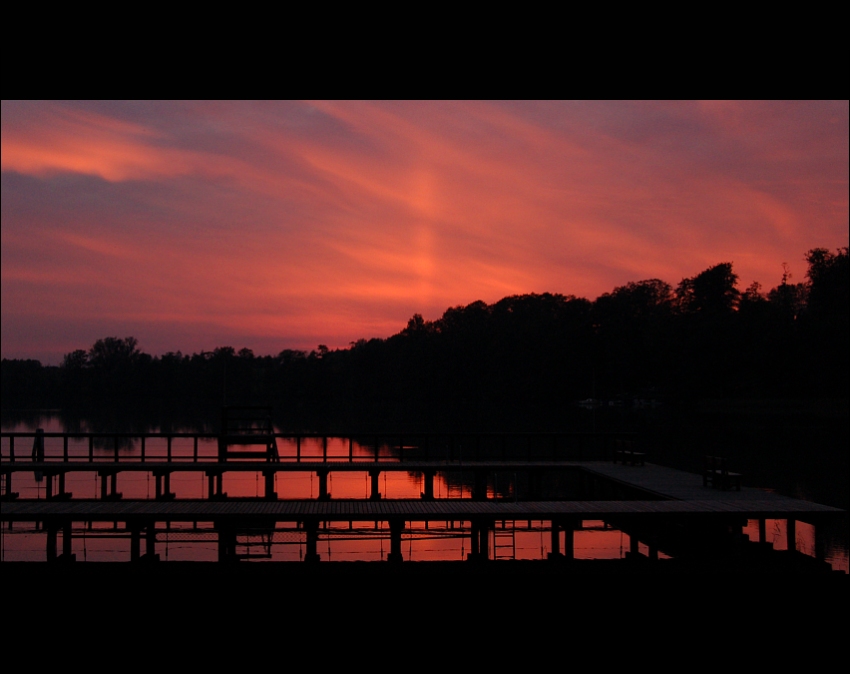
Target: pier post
x,y
110,492
820,541
226,542
216,480
323,484
163,485
67,549
270,494
51,542
653,547
475,540
791,534
375,495
484,546
535,479
150,542
634,546
135,542
396,527
480,540
555,553
762,530
428,494
62,493
479,491
311,528
569,526
8,494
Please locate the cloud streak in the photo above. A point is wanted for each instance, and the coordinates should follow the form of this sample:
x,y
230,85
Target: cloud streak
x,y
279,225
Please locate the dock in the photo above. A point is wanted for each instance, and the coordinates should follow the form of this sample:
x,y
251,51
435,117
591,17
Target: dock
x,y
662,510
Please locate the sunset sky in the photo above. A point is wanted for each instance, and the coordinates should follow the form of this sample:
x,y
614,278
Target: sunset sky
x,y
276,225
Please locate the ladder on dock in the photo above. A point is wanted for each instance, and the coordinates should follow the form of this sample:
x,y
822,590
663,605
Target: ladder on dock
x,y
504,542
254,545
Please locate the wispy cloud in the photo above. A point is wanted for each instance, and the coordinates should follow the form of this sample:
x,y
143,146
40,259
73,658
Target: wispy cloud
x,y
285,224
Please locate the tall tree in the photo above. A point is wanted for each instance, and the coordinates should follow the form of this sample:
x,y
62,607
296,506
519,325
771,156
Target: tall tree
x,y
711,292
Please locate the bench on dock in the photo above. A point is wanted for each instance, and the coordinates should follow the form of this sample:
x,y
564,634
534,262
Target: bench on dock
x,y
624,452
244,426
716,474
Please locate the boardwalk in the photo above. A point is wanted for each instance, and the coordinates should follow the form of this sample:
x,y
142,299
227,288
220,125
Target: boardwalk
x,y
651,503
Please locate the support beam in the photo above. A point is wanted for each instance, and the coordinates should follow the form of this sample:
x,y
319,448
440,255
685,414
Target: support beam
x,y
396,528
570,526
555,553
634,546
109,485
226,542
820,541
270,493
67,549
791,534
216,482
52,530
428,494
480,539
163,486
479,491
64,495
324,495
535,484
8,494
650,537
135,542
311,528
150,542
484,546
375,495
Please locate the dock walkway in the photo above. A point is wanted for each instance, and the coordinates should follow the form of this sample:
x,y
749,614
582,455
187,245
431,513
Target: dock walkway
x,y
647,502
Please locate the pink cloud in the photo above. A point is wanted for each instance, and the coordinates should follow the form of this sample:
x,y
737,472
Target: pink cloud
x,y
292,221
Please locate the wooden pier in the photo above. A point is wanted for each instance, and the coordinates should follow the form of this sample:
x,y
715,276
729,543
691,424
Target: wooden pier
x,y
667,510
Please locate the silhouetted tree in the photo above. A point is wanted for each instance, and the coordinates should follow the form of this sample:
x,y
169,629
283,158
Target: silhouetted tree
x,y
111,352
829,281
519,364
710,292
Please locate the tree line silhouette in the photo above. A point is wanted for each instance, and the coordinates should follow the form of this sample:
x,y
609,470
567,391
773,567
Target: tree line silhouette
x,y
522,363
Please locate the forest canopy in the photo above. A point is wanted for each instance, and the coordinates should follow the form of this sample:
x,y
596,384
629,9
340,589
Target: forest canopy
x,y
518,362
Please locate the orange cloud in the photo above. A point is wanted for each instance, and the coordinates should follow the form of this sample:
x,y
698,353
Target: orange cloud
x,y
340,220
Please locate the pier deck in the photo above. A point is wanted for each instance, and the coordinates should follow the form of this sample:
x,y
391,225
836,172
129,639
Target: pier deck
x,y
408,509
650,503
669,492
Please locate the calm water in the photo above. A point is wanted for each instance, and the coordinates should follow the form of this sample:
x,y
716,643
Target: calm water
x,y
366,541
